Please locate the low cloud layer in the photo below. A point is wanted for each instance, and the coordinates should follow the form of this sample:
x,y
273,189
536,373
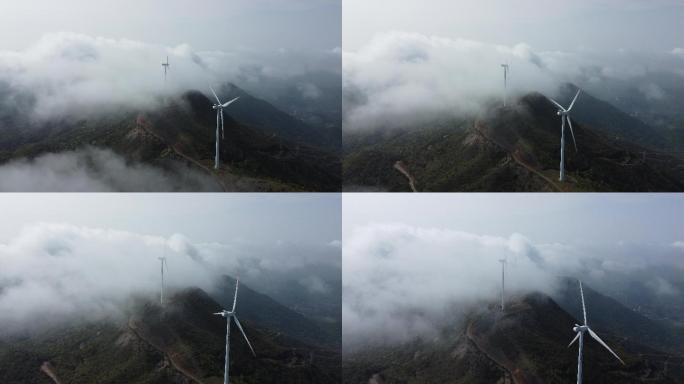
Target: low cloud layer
x,y
98,170
401,281
57,272
68,73
400,78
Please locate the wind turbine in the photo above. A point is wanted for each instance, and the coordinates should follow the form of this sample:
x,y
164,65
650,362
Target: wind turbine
x,y
231,315
503,267
166,68
219,115
580,329
565,115
506,69
164,264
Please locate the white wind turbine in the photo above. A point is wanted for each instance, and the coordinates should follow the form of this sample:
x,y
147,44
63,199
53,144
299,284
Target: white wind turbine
x,y
503,268
219,116
565,115
506,69
166,68
580,329
231,315
164,265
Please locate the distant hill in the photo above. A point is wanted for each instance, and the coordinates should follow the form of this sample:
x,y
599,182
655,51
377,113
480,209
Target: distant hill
x,y
609,314
277,153
260,114
510,149
526,344
180,343
268,313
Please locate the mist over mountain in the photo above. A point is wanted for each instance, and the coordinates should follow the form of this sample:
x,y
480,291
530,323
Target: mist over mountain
x,y
178,343
516,148
69,73
56,273
390,296
525,344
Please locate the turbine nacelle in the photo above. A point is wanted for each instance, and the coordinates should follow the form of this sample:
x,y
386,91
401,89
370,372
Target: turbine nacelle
x,y
224,313
579,328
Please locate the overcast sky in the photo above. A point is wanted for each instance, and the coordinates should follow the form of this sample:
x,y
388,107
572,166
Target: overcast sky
x,y
204,24
308,218
544,24
543,217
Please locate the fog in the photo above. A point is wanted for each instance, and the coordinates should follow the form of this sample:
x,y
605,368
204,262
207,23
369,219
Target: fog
x,y
405,278
66,74
65,271
98,170
400,79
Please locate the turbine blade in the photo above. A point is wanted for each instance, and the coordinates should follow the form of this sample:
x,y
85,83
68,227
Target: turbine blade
x,y
572,132
595,336
573,340
573,100
556,103
214,92
218,313
237,322
237,283
230,102
223,133
584,308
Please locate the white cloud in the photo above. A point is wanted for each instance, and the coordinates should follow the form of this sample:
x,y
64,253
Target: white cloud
x,y
400,78
97,170
403,281
71,73
56,272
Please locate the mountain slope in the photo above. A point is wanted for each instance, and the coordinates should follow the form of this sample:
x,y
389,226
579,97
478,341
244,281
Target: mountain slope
x,y
268,313
526,344
608,313
180,132
264,116
505,149
181,343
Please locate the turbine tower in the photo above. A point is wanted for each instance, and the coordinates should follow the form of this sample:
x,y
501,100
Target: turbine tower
x,y
219,116
231,315
580,330
166,68
164,264
506,69
565,116
503,268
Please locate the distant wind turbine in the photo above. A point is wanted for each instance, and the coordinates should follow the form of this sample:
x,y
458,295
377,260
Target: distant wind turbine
x,y
506,69
503,268
580,329
231,315
164,265
565,116
219,116
166,68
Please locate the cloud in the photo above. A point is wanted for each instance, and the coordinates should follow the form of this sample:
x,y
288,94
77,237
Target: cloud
x,y
678,52
398,280
71,73
57,272
402,282
400,78
98,170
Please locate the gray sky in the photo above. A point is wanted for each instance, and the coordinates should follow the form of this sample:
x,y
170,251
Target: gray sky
x,y
204,24
545,25
544,217
308,218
